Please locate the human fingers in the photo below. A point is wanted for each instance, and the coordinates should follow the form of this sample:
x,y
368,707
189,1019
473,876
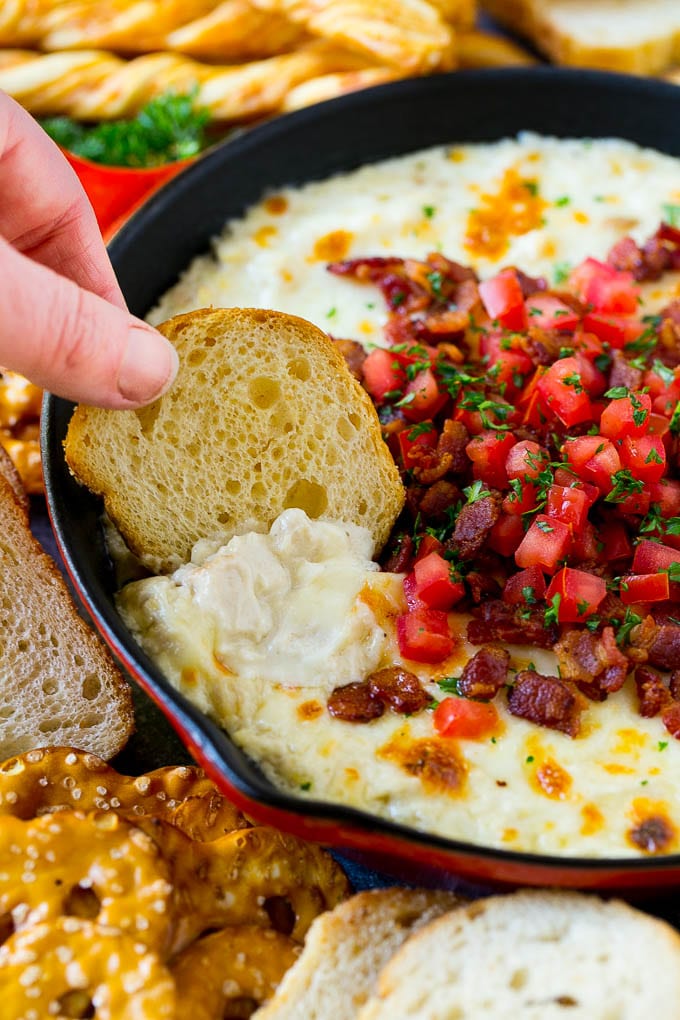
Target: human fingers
x,y
44,212
76,344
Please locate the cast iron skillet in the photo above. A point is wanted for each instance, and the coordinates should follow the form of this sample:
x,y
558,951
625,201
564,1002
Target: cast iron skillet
x,y
178,222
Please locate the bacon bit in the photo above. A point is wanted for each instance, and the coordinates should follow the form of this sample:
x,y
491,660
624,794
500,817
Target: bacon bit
x,y
653,695
671,719
436,763
547,701
594,661
399,690
354,703
354,354
515,209
496,621
665,652
485,673
437,499
473,524
674,685
400,559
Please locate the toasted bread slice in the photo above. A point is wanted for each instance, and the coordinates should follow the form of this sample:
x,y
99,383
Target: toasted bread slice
x,y
347,947
58,684
264,415
534,956
9,470
638,36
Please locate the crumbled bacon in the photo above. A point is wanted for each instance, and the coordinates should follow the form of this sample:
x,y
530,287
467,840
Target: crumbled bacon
x,y
653,695
496,621
622,373
545,700
473,524
587,658
354,354
354,703
399,690
485,673
665,652
671,719
400,558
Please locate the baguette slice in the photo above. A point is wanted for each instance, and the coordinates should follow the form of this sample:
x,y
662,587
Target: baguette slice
x,y
264,415
346,948
534,956
58,684
638,36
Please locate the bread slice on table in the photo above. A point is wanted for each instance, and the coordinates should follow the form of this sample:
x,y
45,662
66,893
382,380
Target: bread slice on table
x,y
534,956
58,683
638,36
346,948
264,415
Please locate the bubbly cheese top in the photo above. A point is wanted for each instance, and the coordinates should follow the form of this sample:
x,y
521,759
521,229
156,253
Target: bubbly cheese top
x,y
284,607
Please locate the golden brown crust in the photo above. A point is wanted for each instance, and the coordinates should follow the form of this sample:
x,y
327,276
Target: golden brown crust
x,y
242,435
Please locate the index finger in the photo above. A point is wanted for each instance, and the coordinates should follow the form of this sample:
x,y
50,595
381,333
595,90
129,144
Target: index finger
x,y
45,213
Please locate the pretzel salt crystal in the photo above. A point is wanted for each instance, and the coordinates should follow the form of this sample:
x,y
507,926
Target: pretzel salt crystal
x,y
94,866
97,85
74,968
58,778
244,963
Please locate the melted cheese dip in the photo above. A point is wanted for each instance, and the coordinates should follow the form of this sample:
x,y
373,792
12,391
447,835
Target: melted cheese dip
x,y
259,632
541,204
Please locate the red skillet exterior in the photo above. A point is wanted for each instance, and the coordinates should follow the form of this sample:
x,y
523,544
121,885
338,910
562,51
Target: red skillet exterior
x,y
158,242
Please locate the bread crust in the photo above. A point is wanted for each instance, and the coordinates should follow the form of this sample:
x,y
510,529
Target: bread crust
x,y
264,415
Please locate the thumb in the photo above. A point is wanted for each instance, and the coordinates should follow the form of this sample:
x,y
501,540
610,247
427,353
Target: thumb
x,y
76,344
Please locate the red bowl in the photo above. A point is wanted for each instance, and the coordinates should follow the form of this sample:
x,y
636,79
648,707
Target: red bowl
x,y
117,191
154,247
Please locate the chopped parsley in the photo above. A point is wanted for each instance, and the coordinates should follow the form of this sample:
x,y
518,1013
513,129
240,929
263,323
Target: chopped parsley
x,y
671,214
561,271
624,485
562,200
429,211
552,612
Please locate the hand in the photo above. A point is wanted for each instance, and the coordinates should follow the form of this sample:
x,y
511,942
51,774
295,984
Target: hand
x,y
63,319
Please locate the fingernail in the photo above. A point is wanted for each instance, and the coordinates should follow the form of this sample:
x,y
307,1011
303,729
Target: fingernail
x,y
149,365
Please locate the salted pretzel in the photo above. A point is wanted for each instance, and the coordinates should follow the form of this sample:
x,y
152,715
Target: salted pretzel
x,y
20,404
231,972
75,968
95,866
61,778
253,876
97,85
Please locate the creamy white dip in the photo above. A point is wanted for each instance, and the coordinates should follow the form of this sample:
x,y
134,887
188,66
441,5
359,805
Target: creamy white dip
x,y
257,633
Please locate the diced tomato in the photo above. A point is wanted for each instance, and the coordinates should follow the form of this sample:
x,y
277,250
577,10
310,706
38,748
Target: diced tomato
x,y
585,547
652,557
667,401
595,459
503,300
615,330
488,452
506,534
567,478
508,371
526,587
412,599
469,720
422,397
525,460
626,416
666,494
522,497
594,381
614,541
563,392
569,505
382,374
546,543
655,384
633,503
605,288
424,635
644,456
415,354
658,425
589,345
580,593
428,544
545,311
644,588
415,438
435,585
